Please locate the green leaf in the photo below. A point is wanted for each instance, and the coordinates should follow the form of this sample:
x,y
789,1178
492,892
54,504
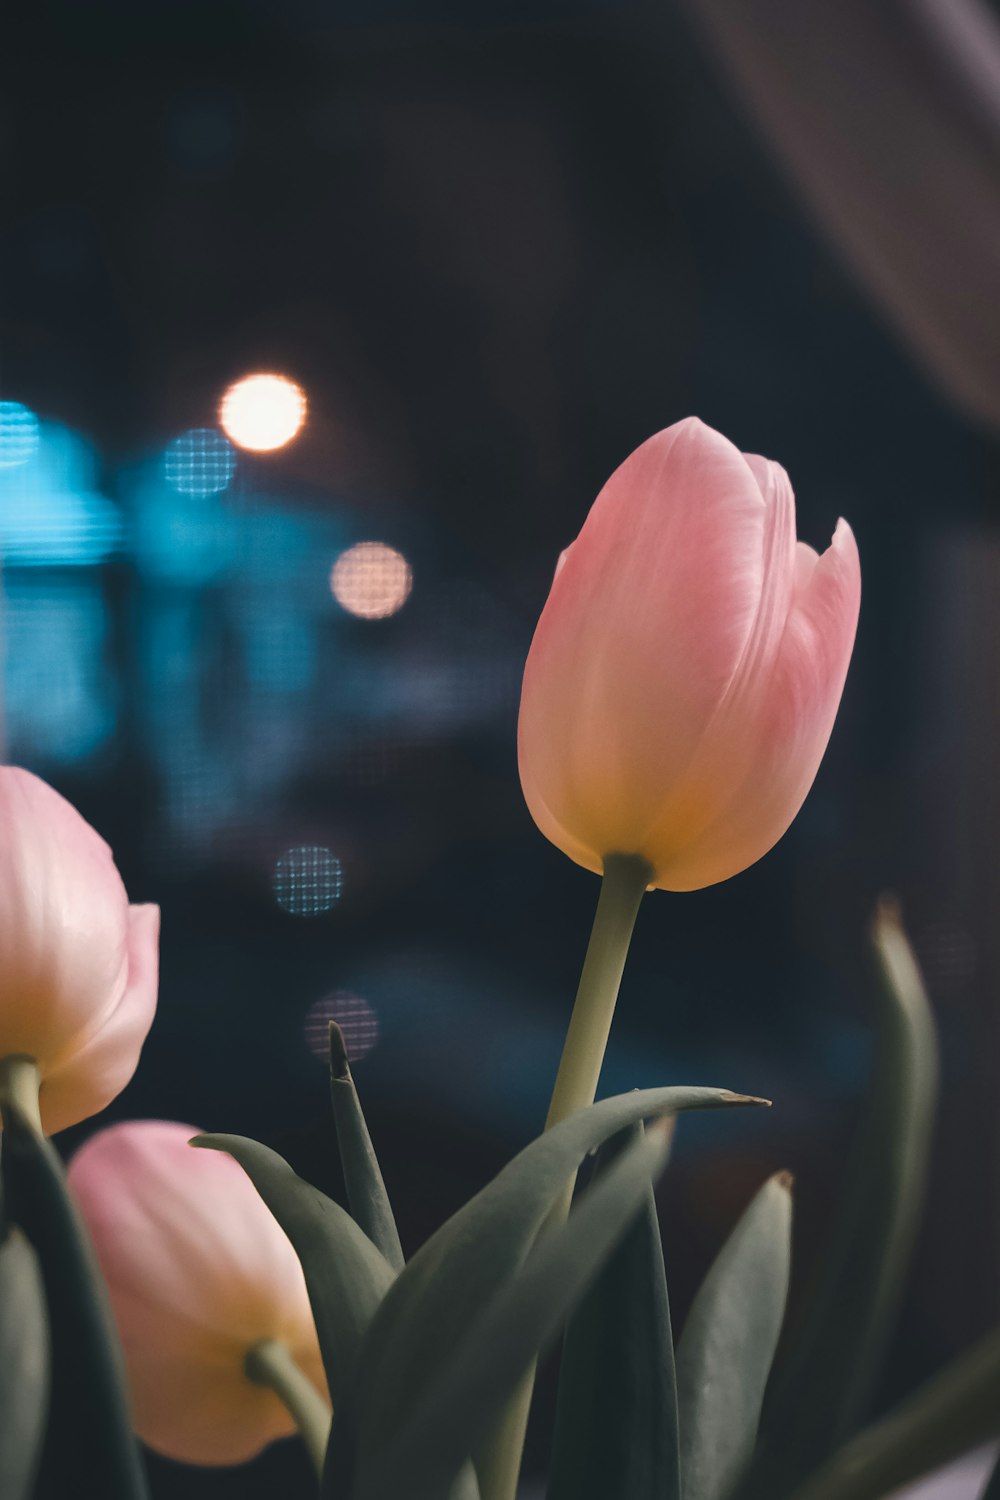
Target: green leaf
x,y
821,1389
366,1192
616,1417
345,1275
456,1407
426,1313
952,1413
24,1367
89,1430
992,1490
725,1352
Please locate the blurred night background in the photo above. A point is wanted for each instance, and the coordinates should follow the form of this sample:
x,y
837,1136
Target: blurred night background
x,y
494,248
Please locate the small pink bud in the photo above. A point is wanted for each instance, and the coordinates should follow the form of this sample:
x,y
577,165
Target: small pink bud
x,y
687,668
198,1272
78,965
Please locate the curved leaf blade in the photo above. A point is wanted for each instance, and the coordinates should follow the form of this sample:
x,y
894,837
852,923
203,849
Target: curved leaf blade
x,y
426,1313
458,1406
952,1413
820,1390
89,1429
370,1207
616,1434
346,1276
24,1367
725,1352
456,1272
992,1490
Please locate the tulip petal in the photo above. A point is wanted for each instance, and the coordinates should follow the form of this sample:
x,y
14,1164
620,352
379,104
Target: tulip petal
x,y
193,1402
198,1272
692,801
92,1072
768,758
632,653
62,920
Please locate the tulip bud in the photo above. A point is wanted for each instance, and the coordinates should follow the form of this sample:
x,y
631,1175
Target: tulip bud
x,y
78,964
199,1275
686,671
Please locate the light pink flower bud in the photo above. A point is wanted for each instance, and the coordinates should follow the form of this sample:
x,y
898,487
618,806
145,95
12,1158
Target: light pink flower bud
x,y
198,1272
686,671
78,965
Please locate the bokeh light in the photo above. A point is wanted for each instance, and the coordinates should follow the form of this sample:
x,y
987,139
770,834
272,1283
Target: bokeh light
x,y
51,512
200,462
352,1014
18,434
307,880
371,580
262,412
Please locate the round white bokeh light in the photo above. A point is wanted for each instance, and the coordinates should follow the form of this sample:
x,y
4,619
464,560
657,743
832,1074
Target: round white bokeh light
x,y
262,412
371,580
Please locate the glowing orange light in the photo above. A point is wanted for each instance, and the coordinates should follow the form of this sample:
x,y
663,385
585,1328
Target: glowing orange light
x,y
262,412
371,580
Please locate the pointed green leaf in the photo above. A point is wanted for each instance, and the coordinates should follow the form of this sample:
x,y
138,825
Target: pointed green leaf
x,y
24,1367
370,1207
428,1310
89,1430
345,1275
725,1352
821,1388
992,1490
457,1407
616,1417
953,1412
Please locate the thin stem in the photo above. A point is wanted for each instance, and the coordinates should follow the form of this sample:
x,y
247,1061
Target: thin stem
x,y
626,877
271,1363
20,1082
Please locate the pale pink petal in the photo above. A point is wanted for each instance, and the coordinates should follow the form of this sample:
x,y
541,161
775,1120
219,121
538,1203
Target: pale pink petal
x,y
192,1402
63,920
633,654
213,1254
773,754
198,1271
692,800
95,1067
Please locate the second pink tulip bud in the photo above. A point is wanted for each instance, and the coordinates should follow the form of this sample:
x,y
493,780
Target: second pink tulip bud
x,y
687,668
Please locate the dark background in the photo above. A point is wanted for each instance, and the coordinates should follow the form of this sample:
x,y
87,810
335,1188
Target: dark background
x,y
498,246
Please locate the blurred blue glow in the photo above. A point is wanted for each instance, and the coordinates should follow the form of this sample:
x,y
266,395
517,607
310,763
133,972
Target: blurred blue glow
x,y
179,537
307,880
50,510
60,698
18,434
200,462
279,647
278,547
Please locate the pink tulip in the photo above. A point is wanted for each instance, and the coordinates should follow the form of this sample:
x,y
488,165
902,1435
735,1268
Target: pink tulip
x,y
78,964
198,1272
686,671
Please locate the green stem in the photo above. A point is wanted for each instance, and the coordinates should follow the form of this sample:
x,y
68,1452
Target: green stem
x,y
271,1363
626,877
20,1082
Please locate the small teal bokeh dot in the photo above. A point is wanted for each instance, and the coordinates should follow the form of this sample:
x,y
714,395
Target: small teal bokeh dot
x,y
200,462
307,880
